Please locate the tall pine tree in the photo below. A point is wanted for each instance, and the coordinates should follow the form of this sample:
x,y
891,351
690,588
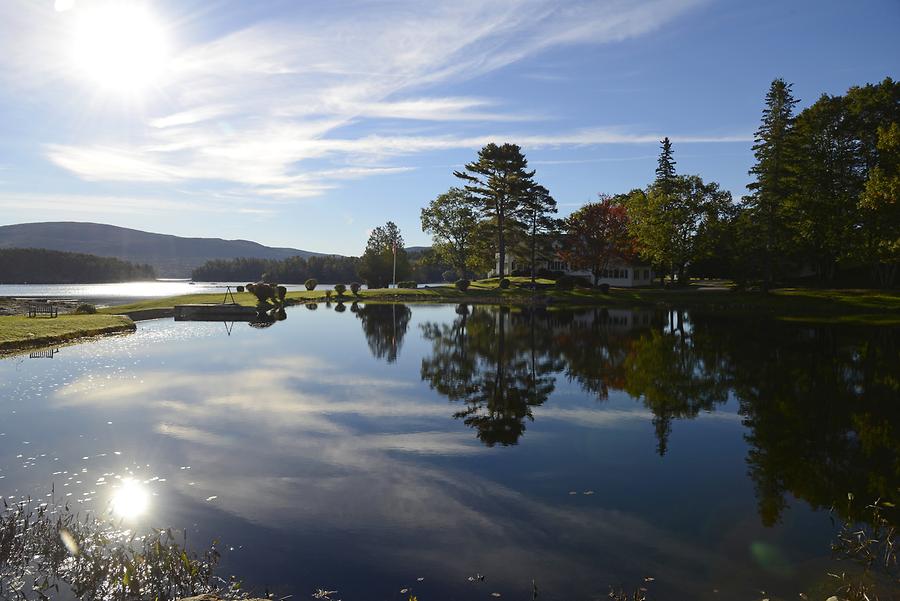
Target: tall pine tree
x,y
774,175
665,170
539,224
499,181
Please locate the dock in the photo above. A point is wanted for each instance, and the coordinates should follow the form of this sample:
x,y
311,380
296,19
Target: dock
x,y
214,312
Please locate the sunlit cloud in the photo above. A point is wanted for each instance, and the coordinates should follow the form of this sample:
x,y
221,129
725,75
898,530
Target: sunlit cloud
x,y
254,107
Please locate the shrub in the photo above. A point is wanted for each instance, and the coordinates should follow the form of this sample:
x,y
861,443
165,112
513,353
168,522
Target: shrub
x,y
240,288
448,276
354,288
504,283
407,284
566,282
85,309
462,285
312,306
328,295
340,308
263,292
282,292
340,289
604,288
311,283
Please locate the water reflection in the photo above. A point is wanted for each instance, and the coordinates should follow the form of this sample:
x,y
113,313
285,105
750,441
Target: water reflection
x,y
820,403
498,364
317,455
384,327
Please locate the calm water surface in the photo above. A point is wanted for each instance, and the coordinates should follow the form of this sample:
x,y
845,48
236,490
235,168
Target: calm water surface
x,y
126,292
362,448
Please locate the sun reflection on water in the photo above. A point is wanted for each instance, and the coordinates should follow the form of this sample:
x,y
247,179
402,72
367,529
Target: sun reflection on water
x,y
130,500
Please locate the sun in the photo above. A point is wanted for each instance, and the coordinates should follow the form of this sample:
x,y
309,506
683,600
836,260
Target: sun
x,y
119,46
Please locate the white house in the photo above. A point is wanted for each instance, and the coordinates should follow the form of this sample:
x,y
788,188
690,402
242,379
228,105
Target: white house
x,y
620,272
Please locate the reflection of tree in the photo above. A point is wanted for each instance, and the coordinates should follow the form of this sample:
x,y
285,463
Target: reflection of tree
x,y
498,363
822,407
384,327
820,404
670,374
595,343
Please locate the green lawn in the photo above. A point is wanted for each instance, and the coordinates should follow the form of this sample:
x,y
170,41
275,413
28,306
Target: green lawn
x,y
715,296
22,332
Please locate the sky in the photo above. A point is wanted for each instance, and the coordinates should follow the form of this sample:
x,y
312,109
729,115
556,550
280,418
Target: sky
x,y
307,123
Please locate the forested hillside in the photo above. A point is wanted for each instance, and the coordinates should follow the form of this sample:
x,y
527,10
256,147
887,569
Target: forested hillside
x,y
41,266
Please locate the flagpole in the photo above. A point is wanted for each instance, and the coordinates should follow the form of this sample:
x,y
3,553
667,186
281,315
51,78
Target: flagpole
x,y
395,264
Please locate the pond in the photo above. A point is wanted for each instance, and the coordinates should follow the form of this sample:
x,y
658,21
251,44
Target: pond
x,y
376,448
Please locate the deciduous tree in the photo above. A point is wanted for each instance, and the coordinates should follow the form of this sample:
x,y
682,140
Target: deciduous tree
x,y
451,219
596,234
377,263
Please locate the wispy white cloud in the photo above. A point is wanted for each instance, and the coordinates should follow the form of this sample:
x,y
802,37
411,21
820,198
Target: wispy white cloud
x,y
254,107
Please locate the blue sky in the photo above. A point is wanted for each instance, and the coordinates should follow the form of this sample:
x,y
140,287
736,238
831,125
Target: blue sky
x,y
306,124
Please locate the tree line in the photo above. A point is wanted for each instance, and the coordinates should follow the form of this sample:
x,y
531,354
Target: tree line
x,y
823,200
330,269
42,266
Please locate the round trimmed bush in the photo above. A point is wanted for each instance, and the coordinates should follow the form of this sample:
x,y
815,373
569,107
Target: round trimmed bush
x,y
311,283
462,284
340,308
240,288
340,289
282,292
407,284
354,288
504,283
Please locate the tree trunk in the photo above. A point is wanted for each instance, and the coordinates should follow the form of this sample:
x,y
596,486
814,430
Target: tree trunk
x,y
533,252
501,243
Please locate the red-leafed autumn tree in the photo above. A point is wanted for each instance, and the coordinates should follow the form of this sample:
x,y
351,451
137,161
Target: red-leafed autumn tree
x,y
596,234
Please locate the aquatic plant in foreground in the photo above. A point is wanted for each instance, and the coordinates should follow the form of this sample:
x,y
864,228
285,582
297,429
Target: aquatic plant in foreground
x,y
45,549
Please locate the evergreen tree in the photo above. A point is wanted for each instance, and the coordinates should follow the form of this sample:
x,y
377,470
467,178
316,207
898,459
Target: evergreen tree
x,y
538,209
499,181
665,170
773,171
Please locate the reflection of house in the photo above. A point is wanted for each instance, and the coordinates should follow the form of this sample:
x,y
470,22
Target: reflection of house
x,y
619,272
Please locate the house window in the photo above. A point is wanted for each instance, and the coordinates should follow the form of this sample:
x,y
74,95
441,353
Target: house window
x,y
646,274
624,273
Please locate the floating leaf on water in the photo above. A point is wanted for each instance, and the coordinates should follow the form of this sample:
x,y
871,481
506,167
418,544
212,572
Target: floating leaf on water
x,y
420,579
403,591
649,579
495,594
588,492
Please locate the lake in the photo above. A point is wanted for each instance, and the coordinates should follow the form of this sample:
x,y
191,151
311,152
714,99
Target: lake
x,y
120,293
362,448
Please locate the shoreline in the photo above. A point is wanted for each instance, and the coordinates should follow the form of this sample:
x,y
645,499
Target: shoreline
x,y
21,334
832,306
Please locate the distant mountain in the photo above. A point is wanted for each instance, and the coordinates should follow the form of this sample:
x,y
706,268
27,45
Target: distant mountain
x,y
172,256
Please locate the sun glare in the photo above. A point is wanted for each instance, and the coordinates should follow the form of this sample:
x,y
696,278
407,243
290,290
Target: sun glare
x,y
119,46
130,500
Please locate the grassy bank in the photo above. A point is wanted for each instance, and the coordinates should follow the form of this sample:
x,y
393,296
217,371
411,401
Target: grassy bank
x,y
19,333
860,306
